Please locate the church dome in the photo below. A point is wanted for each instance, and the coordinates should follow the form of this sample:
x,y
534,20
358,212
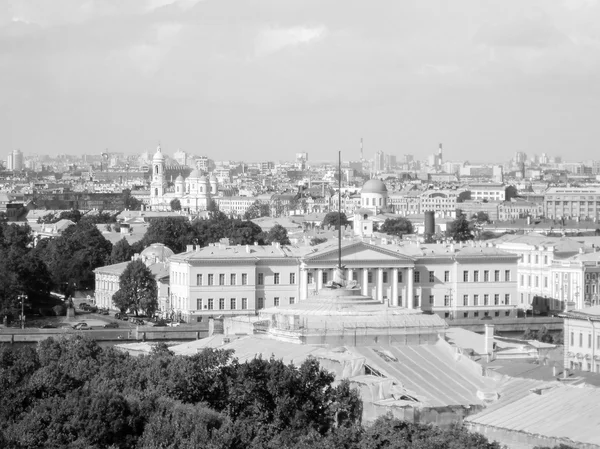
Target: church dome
x,y
195,174
213,178
158,156
203,179
158,252
374,186
179,179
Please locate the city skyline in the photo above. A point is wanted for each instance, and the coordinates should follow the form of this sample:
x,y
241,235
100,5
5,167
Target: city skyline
x,y
258,80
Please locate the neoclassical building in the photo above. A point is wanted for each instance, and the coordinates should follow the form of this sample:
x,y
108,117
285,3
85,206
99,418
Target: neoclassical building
x,y
452,281
194,192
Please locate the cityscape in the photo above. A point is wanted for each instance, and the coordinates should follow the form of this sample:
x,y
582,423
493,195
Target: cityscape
x,y
333,227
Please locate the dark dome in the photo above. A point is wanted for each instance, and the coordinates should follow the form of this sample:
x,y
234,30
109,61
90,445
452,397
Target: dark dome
x,y
374,186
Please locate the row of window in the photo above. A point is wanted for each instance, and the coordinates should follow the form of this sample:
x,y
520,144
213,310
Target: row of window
x,y
589,340
220,303
476,314
486,276
431,276
233,279
526,258
536,281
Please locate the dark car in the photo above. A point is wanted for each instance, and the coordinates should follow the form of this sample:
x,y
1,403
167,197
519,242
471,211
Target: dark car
x,y
103,311
111,325
137,321
48,326
83,305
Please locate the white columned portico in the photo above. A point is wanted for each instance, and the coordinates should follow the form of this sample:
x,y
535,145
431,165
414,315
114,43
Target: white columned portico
x,y
365,282
380,284
319,279
410,291
349,273
394,300
303,282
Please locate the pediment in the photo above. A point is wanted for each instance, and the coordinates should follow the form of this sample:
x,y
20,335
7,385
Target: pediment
x,y
360,252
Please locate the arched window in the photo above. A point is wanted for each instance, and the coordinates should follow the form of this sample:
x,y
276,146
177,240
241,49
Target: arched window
x,y
156,169
155,192
380,201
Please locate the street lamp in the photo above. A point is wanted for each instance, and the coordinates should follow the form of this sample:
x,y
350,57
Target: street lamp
x,y
22,298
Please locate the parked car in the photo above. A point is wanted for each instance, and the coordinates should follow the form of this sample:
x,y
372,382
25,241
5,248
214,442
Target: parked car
x,y
137,321
65,326
173,324
81,327
48,326
83,305
103,311
111,325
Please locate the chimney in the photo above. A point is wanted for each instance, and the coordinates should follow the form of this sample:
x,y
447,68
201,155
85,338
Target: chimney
x,y
489,342
189,248
248,249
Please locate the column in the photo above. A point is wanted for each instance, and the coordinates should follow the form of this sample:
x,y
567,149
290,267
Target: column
x,y
365,282
349,274
410,291
319,279
394,301
380,284
303,283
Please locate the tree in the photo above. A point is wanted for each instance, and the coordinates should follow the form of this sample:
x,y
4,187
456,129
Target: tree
x,y
460,230
173,232
334,219
137,289
481,217
130,202
121,252
242,232
510,193
73,215
256,210
277,234
175,204
317,241
397,226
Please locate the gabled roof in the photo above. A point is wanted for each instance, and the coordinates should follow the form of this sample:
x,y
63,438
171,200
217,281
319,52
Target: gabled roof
x,y
355,250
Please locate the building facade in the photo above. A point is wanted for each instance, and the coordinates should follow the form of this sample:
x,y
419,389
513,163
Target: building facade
x,y
582,339
566,202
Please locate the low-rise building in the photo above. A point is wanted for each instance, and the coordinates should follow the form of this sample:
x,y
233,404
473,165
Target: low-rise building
x,y
582,339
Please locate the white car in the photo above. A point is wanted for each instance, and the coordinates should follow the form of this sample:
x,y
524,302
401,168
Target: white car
x,y
173,324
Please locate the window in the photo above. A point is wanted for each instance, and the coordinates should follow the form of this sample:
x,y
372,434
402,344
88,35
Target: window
x,y
276,278
400,277
537,281
528,258
233,304
475,300
211,279
430,299
506,275
545,281
431,277
261,279
292,300
416,301
545,260
221,279
475,314
447,300
198,279
496,313
232,279
507,299
572,339
325,277
486,300
529,281
417,277
446,276
496,299
199,304
465,314
580,340
276,301
486,276
589,340
497,276
522,280
260,303
369,277
537,259
211,303
521,298
465,276
244,279
310,277
354,275
507,313
465,300
292,278
476,276
244,303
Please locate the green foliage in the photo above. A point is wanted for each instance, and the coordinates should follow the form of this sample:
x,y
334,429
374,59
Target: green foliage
x,y
397,226
173,232
121,252
137,289
317,241
130,202
542,335
277,234
334,219
175,204
460,230
481,217
257,210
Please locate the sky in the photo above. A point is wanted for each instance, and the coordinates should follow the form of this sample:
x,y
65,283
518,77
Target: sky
x,y
264,79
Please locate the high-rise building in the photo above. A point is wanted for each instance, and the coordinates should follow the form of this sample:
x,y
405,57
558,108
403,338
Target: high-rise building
x,y
379,162
14,161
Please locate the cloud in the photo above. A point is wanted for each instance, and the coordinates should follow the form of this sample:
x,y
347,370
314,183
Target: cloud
x,y
147,56
273,40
